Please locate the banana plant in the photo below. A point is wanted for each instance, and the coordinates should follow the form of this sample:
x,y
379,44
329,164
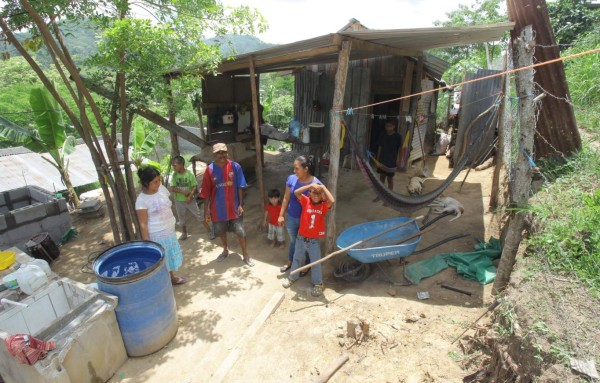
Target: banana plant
x,y
144,140
52,135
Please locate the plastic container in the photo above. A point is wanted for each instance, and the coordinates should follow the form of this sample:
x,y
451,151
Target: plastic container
x,y
7,258
41,264
30,278
10,281
305,135
147,314
294,129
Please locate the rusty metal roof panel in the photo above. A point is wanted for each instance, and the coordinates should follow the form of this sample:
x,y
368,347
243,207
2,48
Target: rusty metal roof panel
x,y
29,168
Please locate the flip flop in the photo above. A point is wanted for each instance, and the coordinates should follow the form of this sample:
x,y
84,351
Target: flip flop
x,y
249,261
178,281
222,256
183,237
284,268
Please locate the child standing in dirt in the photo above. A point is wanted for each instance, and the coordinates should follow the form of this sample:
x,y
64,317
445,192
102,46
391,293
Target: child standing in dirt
x,y
312,229
184,186
275,231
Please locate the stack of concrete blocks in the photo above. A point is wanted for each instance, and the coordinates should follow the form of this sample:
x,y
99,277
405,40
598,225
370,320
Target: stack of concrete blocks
x,y
82,322
27,211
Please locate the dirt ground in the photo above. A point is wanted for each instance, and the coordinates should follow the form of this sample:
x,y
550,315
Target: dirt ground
x,y
410,339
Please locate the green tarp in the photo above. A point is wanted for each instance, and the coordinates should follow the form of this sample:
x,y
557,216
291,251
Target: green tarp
x,y
476,265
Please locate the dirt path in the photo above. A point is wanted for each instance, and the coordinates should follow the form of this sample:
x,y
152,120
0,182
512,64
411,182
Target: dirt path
x,y
410,338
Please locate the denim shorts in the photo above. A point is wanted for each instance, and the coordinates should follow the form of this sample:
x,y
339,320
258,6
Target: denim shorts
x,y
233,225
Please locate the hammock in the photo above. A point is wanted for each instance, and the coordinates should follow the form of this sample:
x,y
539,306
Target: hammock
x,y
381,165
406,203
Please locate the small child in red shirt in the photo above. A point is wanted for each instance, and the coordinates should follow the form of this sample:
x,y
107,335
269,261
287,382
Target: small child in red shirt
x,y
275,233
312,229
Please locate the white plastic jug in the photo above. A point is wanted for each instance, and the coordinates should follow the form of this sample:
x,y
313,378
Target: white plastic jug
x,y
42,264
31,278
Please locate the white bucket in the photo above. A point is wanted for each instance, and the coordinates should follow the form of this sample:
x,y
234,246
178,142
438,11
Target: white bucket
x,y
31,278
305,135
41,264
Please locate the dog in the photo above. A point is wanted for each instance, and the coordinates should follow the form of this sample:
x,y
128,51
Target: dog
x,y
447,205
415,185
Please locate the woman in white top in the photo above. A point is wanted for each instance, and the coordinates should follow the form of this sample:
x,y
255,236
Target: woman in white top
x,y
157,222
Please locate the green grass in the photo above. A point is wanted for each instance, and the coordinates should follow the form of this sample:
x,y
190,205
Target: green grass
x,y
567,214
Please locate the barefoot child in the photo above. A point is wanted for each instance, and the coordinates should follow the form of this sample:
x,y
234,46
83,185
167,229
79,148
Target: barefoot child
x,y
312,229
275,233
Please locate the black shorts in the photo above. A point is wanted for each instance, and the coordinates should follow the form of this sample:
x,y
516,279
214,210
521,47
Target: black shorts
x,y
234,225
387,174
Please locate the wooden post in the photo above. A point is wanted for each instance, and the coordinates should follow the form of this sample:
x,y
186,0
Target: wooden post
x,y
504,124
257,143
334,139
521,183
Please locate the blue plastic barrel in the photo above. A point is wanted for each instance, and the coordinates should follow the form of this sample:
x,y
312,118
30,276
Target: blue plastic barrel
x,y
137,274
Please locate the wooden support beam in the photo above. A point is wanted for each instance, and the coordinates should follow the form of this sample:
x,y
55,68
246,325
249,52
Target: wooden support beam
x,y
237,65
172,117
334,141
257,143
382,50
521,182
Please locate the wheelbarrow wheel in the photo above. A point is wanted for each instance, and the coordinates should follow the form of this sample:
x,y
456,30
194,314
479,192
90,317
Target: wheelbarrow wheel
x,y
352,270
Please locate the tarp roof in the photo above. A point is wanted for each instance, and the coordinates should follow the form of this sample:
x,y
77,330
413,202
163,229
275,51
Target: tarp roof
x,y
366,44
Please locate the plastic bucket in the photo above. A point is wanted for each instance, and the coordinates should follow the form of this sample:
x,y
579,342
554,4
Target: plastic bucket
x,y
316,132
137,274
42,246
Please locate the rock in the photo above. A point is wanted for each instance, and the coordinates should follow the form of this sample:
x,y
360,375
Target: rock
x,y
412,319
391,292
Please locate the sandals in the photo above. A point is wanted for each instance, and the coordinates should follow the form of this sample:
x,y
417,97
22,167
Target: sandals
x,y
304,273
178,281
284,268
222,256
183,237
249,261
287,282
317,290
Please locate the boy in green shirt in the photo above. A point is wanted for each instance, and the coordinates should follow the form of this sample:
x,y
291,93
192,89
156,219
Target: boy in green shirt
x,y
183,187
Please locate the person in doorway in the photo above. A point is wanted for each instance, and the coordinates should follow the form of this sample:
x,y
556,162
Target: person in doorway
x,y
157,222
272,211
388,147
302,176
312,229
183,187
222,189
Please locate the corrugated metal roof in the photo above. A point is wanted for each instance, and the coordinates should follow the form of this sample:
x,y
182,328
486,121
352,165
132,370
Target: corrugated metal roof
x,y
29,168
366,44
13,151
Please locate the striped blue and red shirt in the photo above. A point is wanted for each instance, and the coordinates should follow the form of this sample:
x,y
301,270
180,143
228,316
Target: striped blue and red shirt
x,y
220,185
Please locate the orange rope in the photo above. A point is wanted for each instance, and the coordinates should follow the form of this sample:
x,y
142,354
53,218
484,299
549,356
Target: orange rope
x,y
480,79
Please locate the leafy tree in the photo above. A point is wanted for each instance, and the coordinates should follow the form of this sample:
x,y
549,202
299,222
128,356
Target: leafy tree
x,y
132,58
277,98
570,19
467,58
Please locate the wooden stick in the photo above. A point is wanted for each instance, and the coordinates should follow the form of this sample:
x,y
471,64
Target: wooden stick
x,y
334,367
305,267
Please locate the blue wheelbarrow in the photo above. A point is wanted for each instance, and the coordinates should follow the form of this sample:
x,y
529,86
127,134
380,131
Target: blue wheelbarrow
x,y
371,242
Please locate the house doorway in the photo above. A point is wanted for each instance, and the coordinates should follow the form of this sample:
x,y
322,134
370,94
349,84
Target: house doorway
x,y
389,109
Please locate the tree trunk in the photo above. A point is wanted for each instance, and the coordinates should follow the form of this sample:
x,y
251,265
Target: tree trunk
x,y
521,183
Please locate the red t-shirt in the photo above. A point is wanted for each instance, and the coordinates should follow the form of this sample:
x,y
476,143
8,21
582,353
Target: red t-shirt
x,y
312,219
273,213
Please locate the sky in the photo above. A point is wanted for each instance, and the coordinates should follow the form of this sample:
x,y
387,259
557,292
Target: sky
x,y
295,20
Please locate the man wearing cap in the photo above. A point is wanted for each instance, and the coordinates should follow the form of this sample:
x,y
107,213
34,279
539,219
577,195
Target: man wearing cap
x,y
222,188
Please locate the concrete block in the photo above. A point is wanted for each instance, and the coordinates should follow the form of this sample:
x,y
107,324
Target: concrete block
x,y
3,224
18,194
30,213
2,200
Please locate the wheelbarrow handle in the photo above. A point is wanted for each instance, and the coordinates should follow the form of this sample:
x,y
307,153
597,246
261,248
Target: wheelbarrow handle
x,y
306,267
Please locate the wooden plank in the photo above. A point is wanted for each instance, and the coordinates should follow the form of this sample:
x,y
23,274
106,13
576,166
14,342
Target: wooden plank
x,y
407,87
365,98
334,161
234,354
257,143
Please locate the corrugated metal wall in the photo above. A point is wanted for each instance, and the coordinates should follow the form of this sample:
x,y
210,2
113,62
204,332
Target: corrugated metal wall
x,y
475,99
556,128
